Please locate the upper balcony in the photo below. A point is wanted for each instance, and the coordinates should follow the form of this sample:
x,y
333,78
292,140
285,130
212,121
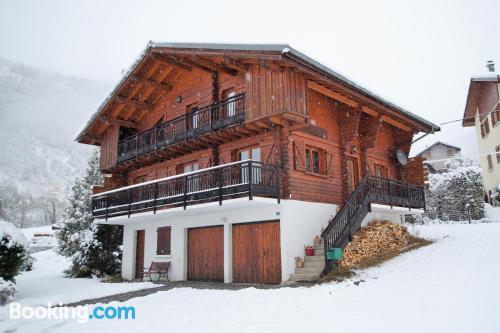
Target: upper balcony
x,y
191,125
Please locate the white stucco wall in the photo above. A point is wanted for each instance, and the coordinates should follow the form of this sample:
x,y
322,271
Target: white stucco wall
x,y
487,145
439,155
300,222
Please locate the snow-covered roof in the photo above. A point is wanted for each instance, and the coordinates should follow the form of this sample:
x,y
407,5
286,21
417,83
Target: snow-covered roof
x,y
439,143
284,49
473,95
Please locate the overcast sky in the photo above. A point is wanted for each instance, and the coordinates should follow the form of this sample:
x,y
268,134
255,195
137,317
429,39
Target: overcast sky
x,y
419,55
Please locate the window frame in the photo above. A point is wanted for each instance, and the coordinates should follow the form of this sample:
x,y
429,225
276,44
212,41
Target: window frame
x,y
490,162
167,246
485,127
497,151
309,152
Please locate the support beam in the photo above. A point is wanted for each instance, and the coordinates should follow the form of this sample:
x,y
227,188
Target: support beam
x,y
396,123
164,87
170,60
214,66
235,63
332,94
137,104
119,122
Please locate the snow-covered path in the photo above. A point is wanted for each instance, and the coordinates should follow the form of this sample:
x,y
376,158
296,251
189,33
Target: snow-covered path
x,y
452,285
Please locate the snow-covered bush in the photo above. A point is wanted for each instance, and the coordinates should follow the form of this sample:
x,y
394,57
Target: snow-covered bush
x,y
7,291
13,250
95,250
495,195
457,194
13,256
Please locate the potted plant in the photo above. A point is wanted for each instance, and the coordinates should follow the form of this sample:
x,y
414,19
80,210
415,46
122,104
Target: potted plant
x,y
299,262
309,250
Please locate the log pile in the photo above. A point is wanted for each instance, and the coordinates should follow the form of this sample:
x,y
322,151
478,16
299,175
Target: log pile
x,y
376,239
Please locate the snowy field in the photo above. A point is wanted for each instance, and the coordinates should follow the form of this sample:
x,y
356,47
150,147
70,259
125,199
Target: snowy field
x,y
40,238
452,285
46,283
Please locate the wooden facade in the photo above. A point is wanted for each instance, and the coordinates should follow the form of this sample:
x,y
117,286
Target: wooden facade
x,y
324,134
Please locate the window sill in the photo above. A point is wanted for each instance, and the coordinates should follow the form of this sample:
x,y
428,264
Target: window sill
x,y
315,174
163,256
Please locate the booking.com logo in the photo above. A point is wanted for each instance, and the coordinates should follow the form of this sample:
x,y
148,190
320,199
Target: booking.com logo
x,y
80,313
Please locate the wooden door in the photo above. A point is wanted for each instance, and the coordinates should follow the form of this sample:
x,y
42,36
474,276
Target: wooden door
x,y
352,174
139,254
206,254
257,253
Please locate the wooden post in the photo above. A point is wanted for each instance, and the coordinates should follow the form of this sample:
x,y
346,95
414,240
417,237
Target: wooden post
x,y
185,191
156,197
219,176
250,172
278,185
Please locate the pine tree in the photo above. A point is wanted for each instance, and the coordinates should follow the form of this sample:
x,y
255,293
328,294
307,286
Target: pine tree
x,y
94,249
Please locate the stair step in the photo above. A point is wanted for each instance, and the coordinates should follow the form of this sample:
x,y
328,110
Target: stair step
x,y
319,252
314,258
304,277
318,247
309,270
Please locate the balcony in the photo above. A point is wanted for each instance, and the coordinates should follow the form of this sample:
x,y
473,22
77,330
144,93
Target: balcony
x,y
228,181
193,124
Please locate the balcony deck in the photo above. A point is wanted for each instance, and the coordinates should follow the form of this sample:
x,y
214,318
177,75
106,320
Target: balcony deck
x,y
228,181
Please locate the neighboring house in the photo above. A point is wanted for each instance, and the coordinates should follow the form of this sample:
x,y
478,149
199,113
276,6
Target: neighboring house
x,y
482,110
226,160
438,154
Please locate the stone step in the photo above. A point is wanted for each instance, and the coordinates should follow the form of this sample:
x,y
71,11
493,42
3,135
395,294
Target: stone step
x,y
315,265
314,258
310,270
319,252
304,277
318,247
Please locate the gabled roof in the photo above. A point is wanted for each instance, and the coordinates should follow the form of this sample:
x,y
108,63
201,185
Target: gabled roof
x,y
281,49
437,143
474,94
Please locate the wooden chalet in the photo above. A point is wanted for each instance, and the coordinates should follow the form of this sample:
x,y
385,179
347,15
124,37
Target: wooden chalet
x,y
226,159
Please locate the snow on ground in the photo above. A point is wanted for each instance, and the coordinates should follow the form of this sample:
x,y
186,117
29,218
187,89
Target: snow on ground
x,y
47,283
42,237
452,285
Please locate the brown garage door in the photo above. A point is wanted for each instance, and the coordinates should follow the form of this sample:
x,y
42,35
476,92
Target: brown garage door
x,y
256,252
206,254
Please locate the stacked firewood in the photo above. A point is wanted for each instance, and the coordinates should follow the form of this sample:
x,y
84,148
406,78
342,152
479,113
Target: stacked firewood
x,y
377,238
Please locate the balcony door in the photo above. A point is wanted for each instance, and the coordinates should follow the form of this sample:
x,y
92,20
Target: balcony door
x,y
250,154
231,107
193,181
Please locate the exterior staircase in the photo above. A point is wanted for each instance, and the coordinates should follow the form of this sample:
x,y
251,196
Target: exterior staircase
x,y
313,266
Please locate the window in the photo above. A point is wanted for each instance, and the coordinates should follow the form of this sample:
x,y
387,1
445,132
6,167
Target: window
x,y
485,127
315,160
380,171
163,241
490,162
449,151
495,116
497,150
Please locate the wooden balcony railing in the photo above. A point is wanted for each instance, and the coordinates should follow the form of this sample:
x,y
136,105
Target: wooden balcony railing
x,y
239,179
199,121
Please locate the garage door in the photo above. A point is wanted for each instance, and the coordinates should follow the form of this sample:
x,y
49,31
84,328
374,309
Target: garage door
x,y
256,252
206,254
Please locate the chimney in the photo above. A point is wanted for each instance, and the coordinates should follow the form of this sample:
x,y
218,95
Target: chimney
x,y
490,65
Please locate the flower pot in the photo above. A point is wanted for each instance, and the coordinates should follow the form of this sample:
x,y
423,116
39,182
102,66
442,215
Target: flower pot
x,y
309,251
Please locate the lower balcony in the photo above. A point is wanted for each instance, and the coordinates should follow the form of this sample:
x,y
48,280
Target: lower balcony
x,y
240,179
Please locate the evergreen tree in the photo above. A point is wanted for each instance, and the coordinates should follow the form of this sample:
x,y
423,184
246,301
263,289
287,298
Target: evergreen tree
x,y
95,250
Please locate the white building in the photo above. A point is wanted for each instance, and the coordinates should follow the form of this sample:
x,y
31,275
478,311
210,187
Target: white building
x,y
482,110
438,155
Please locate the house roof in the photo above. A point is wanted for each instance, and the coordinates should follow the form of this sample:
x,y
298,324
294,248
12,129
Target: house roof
x,y
283,49
439,143
473,96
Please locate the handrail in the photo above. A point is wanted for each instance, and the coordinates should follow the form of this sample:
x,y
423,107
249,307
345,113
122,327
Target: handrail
x,y
370,190
245,178
195,122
